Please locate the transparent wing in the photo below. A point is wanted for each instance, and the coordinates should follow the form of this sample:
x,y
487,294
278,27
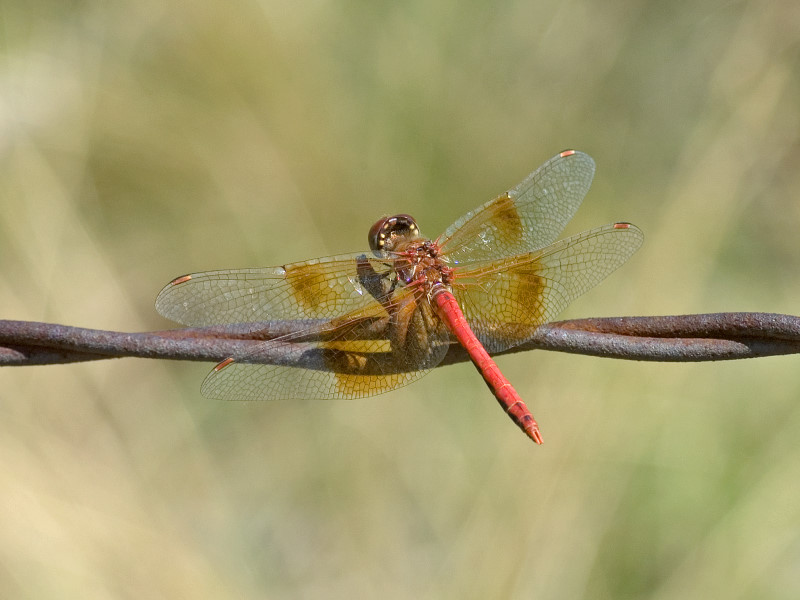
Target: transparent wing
x,y
526,218
324,288
506,300
340,356
345,364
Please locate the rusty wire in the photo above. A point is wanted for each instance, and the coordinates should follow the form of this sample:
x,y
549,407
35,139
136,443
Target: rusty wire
x,y
681,338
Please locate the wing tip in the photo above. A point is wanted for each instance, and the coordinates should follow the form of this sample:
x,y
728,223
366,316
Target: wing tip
x,y
223,364
179,280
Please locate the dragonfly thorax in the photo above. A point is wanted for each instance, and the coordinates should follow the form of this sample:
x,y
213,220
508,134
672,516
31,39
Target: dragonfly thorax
x,y
418,263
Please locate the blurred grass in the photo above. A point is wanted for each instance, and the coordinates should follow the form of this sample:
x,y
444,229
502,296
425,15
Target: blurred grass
x,y
142,141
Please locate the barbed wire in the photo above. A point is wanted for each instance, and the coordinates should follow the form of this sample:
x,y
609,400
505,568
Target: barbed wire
x,y
679,338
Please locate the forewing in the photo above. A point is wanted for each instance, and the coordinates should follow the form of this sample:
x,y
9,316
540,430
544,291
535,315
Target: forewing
x,y
325,288
506,300
526,218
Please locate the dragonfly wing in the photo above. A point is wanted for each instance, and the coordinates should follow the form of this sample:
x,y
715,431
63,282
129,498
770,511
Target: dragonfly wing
x,y
526,218
346,360
506,300
324,288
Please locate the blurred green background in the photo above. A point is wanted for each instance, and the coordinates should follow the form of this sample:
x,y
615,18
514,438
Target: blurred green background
x,y
140,141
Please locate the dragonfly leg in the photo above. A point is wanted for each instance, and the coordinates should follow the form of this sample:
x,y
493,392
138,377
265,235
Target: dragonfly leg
x,y
375,283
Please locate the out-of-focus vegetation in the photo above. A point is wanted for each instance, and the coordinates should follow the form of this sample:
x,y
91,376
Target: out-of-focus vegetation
x,y
140,141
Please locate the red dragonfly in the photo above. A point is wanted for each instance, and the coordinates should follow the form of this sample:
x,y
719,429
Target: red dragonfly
x,y
370,324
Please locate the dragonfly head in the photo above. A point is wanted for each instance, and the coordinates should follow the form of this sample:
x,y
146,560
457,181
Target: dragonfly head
x,y
390,232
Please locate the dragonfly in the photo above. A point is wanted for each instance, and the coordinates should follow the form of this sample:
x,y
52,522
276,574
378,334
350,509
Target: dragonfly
x,y
367,323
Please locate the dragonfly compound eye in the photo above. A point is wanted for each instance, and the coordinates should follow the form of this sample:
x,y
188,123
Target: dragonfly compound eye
x,y
387,232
